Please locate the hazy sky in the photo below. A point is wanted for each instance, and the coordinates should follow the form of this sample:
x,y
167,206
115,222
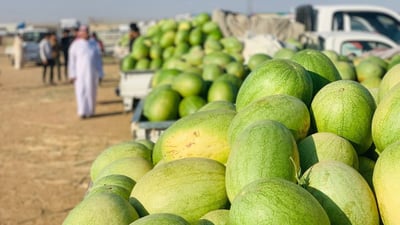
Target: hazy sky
x,y
38,11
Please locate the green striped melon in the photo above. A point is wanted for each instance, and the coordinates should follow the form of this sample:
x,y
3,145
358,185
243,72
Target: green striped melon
x,y
386,120
119,183
109,188
367,69
263,149
346,70
218,105
276,201
345,108
275,76
116,152
102,208
215,217
320,67
188,84
133,167
257,59
284,53
343,192
288,110
190,104
161,219
326,146
188,187
332,55
201,134
222,90
386,181
391,78
162,103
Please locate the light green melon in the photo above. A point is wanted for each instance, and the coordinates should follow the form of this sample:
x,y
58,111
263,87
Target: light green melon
x,y
345,108
276,201
215,217
188,187
320,67
326,146
200,134
386,181
288,110
275,76
161,219
133,167
343,192
386,120
118,151
263,149
102,208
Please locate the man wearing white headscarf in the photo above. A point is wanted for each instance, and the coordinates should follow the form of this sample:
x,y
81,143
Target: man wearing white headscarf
x,y
85,70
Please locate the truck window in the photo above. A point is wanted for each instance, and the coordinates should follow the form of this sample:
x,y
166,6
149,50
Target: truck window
x,y
337,23
359,47
378,22
360,24
33,36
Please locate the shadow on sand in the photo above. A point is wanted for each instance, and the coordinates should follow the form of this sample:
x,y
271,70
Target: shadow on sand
x,y
109,102
98,115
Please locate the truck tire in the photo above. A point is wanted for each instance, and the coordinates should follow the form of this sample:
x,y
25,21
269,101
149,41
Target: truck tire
x,y
305,15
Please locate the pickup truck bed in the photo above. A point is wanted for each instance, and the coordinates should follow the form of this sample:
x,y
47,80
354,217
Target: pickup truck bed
x,y
144,129
133,86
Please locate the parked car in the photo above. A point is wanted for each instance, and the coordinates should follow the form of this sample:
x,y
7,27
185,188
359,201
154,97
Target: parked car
x,y
31,39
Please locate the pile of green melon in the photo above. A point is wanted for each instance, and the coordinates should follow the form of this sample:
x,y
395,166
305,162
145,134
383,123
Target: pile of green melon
x,y
180,44
298,145
193,64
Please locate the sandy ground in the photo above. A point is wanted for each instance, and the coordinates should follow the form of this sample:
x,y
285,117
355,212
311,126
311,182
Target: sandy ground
x,y
45,150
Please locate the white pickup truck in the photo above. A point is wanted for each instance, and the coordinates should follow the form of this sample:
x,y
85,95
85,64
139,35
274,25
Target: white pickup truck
x,y
350,17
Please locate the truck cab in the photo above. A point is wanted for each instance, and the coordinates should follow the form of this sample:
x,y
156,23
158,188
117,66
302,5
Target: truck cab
x,y
369,18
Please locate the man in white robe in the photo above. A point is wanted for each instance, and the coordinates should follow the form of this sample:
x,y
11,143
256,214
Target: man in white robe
x,y
85,69
18,51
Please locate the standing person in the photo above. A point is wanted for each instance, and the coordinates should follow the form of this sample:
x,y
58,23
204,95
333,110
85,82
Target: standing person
x,y
66,41
46,57
18,51
99,42
133,34
55,53
85,69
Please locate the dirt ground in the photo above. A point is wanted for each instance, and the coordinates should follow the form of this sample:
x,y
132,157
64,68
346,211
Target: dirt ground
x,y
45,150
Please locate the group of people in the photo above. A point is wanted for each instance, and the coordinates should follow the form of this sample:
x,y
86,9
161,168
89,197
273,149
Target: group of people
x,y
51,48
82,53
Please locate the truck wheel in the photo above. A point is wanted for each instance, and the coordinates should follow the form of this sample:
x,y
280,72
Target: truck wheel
x,y
305,15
